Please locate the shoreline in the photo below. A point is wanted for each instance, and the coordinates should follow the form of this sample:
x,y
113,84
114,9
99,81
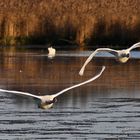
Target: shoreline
x,y
65,47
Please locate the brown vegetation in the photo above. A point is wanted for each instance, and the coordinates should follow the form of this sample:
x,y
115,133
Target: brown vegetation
x,y
84,22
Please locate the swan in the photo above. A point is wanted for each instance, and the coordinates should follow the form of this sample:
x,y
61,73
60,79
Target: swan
x,y
52,52
47,101
121,55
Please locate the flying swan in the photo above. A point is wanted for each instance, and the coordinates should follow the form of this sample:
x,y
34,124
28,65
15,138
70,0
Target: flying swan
x,y
47,101
121,55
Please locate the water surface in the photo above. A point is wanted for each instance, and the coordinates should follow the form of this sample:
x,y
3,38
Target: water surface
x,y
108,108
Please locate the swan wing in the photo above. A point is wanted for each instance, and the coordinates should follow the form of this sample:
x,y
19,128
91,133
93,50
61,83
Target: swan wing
x,y
21,93
112,51
136,45
80,84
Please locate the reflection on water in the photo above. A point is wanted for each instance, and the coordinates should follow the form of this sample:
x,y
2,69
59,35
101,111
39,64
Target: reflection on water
x,y
104,109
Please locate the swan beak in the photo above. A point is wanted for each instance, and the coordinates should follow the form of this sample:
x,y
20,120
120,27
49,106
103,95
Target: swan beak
x,y
45,106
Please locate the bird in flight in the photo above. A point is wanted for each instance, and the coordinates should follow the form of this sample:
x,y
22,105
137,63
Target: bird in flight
x,y
47,101
121,55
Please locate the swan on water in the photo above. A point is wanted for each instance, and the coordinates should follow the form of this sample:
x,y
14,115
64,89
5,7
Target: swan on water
x,y
52,52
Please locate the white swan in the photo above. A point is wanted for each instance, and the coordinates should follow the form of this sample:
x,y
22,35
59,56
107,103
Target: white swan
x,y
52,52
47,101
121,55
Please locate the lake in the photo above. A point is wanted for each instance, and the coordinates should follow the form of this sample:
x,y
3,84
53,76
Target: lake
x,y
107,108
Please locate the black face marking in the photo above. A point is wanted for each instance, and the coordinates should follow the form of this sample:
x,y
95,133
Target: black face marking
x,y
51,101
54,100
125,55
128,55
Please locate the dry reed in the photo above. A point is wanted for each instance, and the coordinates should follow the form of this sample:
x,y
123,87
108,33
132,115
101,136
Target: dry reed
x,y
83,22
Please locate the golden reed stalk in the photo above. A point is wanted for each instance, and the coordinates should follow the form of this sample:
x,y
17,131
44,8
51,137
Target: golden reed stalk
x,y
83,22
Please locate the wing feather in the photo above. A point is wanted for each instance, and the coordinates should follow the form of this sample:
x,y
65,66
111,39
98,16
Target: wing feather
x,y
136,45
80,84
114,52
21,93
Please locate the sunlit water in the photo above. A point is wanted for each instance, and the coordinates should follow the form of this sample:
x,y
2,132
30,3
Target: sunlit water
x,y
108,108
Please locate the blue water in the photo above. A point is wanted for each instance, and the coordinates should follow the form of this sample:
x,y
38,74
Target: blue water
x,y
134,54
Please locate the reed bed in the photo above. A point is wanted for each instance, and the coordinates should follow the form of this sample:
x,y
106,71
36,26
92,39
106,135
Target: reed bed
x,y
63,22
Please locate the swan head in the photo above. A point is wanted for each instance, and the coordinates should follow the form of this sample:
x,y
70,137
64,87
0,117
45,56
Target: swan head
x,y
124,56
47,104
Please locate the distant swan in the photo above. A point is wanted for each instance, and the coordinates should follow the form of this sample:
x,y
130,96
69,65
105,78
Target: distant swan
x,y
52,52
121,55
47,101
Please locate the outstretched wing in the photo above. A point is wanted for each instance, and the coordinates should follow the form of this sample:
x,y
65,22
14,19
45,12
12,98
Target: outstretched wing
x,y
21,93
80,84
136,45
114,52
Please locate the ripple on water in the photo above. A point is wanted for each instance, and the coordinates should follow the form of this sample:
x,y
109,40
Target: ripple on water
x,y
99,111
99,121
